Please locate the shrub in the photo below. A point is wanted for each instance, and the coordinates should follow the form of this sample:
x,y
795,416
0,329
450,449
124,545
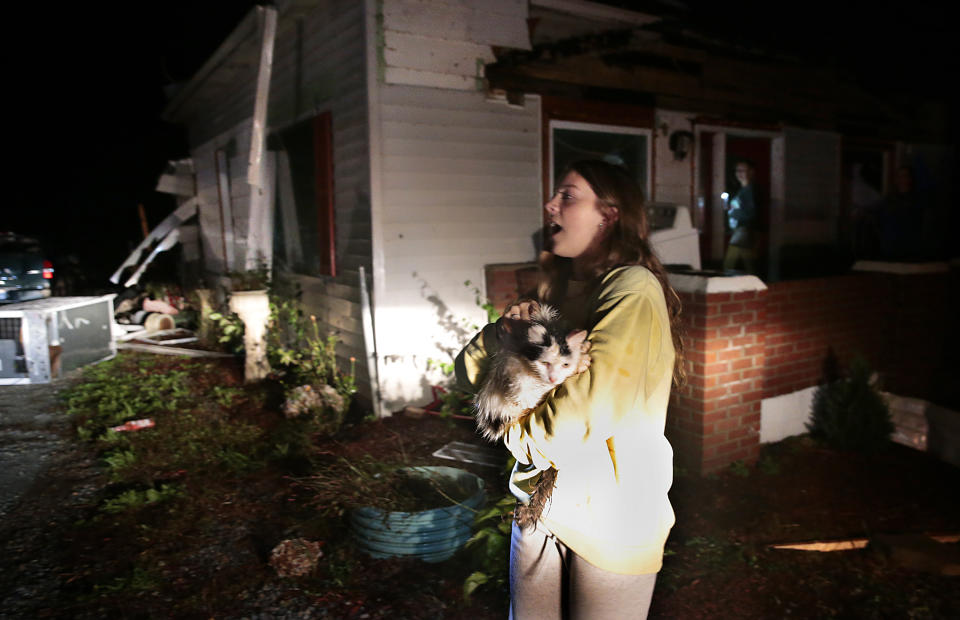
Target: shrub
x,y
305,361
849,413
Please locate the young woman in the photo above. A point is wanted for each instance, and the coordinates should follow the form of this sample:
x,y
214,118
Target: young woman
x,y
599,543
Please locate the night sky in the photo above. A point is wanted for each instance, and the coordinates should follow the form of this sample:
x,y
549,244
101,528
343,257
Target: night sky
x,y
87,83
88,142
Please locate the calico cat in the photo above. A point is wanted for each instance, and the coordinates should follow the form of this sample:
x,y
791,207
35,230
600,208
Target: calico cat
x,y
535,356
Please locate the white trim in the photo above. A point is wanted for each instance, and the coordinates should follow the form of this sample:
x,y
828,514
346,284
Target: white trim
x,y
603,128
733,130
268,28
785,415
222,168
375,152
718,284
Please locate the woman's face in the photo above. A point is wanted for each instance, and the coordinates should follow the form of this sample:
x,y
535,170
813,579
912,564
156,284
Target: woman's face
x,y
575,222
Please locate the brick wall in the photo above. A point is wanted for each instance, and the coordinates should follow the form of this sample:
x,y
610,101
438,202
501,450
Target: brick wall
x,y
805,317
743,347
899,322
507,282
715,419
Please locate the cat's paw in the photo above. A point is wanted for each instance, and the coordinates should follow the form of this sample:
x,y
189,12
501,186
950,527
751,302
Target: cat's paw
x,y
584,362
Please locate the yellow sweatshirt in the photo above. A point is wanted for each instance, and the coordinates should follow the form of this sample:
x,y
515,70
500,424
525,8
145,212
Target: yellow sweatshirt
x,y
603,429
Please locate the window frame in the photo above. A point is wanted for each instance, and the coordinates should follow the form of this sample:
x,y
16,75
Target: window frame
x,y
601,128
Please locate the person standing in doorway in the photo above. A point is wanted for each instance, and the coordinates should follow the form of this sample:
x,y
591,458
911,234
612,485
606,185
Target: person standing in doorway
x,y
742,217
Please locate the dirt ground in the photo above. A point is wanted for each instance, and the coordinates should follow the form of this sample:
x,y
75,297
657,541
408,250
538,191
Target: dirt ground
x,y
208,558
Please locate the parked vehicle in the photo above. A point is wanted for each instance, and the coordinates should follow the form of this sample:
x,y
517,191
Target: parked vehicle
x,y
25,272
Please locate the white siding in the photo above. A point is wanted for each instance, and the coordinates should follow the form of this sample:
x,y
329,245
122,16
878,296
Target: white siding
x,y
204,158
460,187
446,43
319,65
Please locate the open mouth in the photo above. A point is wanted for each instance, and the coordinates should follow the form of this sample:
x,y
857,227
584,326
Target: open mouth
x,y
553,228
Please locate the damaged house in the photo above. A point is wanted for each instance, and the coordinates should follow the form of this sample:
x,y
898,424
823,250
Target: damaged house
x,y
405,147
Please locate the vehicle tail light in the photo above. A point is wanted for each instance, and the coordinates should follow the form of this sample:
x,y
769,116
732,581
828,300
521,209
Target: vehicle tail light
x,y
47,270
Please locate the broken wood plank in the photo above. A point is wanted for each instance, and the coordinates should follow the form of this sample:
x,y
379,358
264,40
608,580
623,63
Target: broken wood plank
x,y
850,543
153,348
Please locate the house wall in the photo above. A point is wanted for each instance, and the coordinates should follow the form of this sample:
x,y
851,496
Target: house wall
x,y
320,65
214,205
460,183
447,43
454,179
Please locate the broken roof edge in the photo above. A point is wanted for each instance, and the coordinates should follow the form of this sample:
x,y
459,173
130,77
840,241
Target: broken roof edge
x,y
594,10
248,27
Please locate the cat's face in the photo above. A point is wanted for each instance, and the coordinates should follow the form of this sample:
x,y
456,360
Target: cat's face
x,y
558,357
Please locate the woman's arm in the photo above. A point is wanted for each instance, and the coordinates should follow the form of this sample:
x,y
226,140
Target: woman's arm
x,y
632,351
471,364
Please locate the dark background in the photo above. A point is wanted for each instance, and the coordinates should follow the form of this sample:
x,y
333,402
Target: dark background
x,y
87,85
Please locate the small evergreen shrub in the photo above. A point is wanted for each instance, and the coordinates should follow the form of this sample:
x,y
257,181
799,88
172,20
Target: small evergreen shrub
x,y
849,413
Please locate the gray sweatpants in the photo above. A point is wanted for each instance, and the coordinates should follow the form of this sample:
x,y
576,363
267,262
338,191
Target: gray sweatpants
x,y
548,580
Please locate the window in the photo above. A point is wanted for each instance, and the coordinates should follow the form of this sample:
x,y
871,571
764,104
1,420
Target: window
x,y
306,234
626,146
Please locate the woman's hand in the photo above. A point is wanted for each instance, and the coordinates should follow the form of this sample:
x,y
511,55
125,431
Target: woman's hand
x,y
521,310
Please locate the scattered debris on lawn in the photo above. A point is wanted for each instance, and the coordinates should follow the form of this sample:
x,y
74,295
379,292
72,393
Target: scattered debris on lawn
x,y
850,544
134,425
295,557
165,350
169,337
472,453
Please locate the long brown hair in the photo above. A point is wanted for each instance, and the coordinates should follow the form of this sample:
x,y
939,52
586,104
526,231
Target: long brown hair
x,y
626,244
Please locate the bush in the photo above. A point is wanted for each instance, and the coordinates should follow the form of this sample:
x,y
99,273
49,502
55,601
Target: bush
x,y
849,413
305,362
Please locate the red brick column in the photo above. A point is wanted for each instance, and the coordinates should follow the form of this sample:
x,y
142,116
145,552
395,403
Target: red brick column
x,y
507,282
715,419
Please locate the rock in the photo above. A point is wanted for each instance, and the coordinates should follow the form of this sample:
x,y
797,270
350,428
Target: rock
x,y
295,557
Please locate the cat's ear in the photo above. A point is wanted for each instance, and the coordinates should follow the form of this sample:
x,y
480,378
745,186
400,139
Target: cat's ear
x,y
576,338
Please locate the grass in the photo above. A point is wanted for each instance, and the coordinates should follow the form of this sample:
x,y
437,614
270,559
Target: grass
x,y
190,509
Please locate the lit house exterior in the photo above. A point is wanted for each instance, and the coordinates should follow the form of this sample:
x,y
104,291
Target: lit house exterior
x,y
416,140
